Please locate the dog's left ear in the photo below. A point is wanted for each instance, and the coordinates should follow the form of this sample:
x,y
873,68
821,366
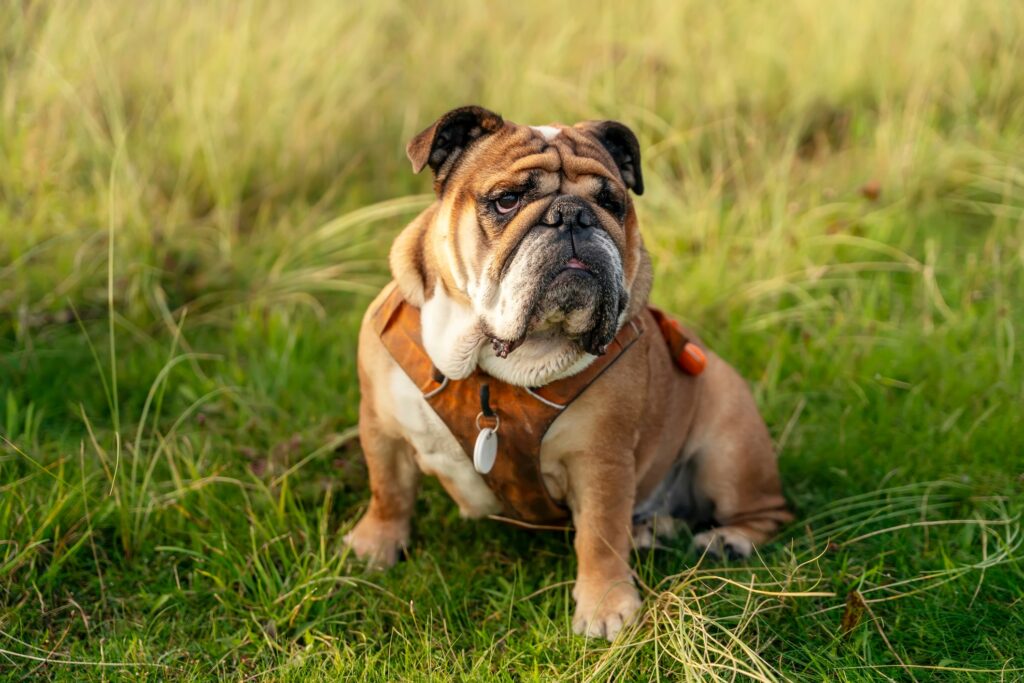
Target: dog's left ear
x,y
624,148
441,144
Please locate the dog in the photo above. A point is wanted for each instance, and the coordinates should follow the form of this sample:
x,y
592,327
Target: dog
x,y
526,281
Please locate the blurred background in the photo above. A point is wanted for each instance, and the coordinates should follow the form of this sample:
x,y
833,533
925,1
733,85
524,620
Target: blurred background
x,y
196,202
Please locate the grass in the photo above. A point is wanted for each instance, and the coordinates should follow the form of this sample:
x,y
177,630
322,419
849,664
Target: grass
x,y
195,206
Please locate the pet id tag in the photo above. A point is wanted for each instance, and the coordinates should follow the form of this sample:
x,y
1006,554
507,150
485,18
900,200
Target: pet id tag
x,y
485,451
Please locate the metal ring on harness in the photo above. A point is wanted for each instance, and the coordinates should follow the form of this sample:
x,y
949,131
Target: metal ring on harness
x,y
497,421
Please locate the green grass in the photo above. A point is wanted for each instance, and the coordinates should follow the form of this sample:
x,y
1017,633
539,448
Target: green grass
x,y
196,201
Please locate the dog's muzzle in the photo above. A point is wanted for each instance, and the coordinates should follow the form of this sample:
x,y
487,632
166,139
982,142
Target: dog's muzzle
x,y
584,276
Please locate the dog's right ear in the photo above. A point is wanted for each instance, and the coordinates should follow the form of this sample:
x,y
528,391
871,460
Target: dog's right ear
x,y
440,145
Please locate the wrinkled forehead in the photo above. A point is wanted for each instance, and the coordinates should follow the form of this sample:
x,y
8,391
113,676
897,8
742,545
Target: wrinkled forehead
x,y
554,156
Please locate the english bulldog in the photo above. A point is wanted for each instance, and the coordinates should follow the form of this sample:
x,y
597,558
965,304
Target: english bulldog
x,y
525,268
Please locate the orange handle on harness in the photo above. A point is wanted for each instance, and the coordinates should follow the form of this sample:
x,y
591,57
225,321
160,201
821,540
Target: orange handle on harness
x,y
688,356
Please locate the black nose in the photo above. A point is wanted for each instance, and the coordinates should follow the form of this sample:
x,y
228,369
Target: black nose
x,y
568,212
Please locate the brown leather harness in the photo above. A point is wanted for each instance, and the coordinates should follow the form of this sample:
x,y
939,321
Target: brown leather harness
x,y
478,401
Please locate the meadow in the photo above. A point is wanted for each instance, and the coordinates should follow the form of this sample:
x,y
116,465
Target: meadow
x,y
196,202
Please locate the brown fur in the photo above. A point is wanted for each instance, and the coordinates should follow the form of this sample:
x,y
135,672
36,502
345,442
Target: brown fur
x,y
612,447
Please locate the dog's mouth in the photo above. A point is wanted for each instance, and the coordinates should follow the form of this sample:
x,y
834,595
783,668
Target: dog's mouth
x,y
503,347
570,305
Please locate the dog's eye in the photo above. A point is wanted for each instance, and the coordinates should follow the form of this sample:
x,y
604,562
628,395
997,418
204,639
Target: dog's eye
x,y
609,202
508,202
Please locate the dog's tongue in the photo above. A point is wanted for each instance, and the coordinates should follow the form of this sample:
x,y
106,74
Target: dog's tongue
x,y
502,347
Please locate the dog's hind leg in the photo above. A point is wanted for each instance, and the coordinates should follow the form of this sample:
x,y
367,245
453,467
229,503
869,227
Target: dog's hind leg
x,y
740,481
735,470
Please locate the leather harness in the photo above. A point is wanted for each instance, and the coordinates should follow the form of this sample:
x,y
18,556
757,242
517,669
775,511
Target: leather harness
x,y
525,413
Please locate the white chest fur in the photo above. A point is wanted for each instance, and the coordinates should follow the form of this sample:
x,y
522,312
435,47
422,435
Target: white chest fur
x,y
437,451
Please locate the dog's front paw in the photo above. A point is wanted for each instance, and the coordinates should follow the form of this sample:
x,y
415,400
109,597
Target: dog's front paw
x,y
378,543
603,608
724,541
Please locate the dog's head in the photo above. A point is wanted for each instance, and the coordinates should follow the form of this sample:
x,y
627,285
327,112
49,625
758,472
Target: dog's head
x,y
533,235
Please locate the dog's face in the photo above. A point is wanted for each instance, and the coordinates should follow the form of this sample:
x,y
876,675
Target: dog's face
x,y
534,229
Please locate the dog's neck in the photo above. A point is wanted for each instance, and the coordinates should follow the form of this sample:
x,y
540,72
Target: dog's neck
x,y
457,345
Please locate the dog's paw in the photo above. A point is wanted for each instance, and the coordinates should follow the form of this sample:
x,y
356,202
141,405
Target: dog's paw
x,y
728,542
603,609
378,543
649,533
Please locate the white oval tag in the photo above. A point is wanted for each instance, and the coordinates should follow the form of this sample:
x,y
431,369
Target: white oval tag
x,y
485,450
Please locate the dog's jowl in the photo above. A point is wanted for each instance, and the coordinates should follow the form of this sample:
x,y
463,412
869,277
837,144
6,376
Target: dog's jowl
x,y
518,323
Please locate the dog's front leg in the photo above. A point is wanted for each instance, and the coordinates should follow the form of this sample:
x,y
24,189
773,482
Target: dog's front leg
x,y
383,531
601,497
